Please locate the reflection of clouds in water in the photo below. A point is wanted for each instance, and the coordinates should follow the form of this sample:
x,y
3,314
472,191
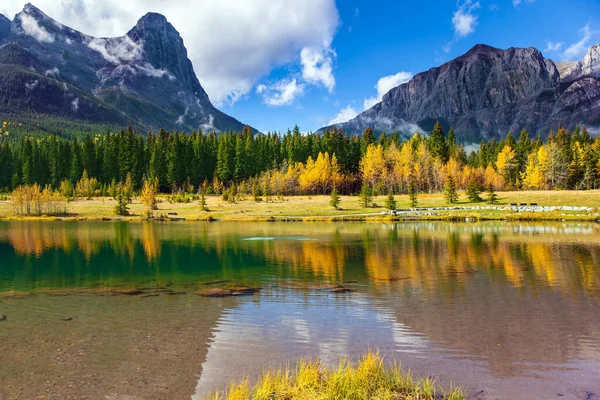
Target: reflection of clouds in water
x,y
301,327
268,333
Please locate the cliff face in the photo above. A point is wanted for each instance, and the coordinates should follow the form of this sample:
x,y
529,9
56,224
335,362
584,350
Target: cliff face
x,y
488,92
144,77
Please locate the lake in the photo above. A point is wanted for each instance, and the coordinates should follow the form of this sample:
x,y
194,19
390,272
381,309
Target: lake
x,y
110,310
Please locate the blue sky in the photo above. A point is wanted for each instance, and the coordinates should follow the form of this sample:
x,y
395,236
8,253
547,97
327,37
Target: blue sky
x,y
276,63
384,37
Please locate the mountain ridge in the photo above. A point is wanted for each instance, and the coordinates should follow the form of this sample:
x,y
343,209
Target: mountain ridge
x,y
143,78
487,92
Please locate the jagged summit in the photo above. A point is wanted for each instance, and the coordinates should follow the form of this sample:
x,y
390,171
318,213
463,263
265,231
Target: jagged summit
x,y
144,76
487,92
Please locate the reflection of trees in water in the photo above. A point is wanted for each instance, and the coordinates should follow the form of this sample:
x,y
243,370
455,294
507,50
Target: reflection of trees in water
x,y
423,256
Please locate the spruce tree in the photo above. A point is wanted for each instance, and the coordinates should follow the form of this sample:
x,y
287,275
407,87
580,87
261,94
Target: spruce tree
x,y
203,205
412,194
492,196
450,190
437,143
366,196
335,199
473,191
391,203
256,191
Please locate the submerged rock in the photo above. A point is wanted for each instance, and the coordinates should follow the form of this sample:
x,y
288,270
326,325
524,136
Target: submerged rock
x,y
341,289
228,292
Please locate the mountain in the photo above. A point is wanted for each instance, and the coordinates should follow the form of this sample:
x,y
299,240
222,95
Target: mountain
x,y
50,72
488,92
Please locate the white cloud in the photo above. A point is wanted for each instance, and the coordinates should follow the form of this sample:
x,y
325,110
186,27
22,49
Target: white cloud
x,y
54,72
32,28
75,105
553,46
117,50
282,93
580,48
516,3
229,58
316,66
386,84
345,115
464,21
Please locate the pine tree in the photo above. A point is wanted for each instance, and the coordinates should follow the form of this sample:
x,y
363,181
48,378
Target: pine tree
x,y
366,196
335,199
256,191
437,143
492,196
450,190
122,207
203,205
473,191
391,203
412,194
232,193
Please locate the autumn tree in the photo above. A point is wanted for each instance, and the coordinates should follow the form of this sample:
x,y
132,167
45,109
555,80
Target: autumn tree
x,y
148,195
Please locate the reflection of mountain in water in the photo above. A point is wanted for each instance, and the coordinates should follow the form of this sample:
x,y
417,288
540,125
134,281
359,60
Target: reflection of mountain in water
x,y
513,298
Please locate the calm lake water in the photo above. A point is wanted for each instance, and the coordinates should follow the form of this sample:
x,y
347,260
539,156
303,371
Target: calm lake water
x,y
504,310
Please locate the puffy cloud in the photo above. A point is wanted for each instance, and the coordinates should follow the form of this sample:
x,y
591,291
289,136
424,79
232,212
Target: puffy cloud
x,y
346,114
32,28
580,48
231,43
463,20
281,93
316,66
386,84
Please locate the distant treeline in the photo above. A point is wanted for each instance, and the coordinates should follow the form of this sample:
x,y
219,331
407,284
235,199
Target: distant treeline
x,y
295,163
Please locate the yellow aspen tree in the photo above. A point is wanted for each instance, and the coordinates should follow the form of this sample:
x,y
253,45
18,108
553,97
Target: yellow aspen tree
x,y
372,165
506,163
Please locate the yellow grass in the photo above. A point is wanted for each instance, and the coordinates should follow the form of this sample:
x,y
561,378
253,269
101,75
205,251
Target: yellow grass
x,y
309,207
367,379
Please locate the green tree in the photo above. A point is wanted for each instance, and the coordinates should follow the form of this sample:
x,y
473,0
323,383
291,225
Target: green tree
x,y
390,202
473,191
437,143
335,199
366,196
450,192
412,193
492,196
256,191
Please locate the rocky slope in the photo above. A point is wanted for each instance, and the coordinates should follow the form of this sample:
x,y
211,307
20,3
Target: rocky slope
x,y
488,92
143,78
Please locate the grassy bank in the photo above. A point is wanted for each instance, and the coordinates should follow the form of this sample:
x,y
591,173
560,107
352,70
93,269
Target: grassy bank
x,y
317,208
367,379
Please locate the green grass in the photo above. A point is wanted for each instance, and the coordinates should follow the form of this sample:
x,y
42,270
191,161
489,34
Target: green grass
x,y
370,378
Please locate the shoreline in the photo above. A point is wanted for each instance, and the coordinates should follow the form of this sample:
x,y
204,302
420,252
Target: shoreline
x,y
581,206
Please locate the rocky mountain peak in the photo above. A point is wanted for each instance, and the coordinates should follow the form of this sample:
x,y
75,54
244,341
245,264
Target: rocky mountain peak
x,y
164,49
488,92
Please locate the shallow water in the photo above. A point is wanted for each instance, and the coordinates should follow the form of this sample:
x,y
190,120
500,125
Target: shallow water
x,y
504,310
